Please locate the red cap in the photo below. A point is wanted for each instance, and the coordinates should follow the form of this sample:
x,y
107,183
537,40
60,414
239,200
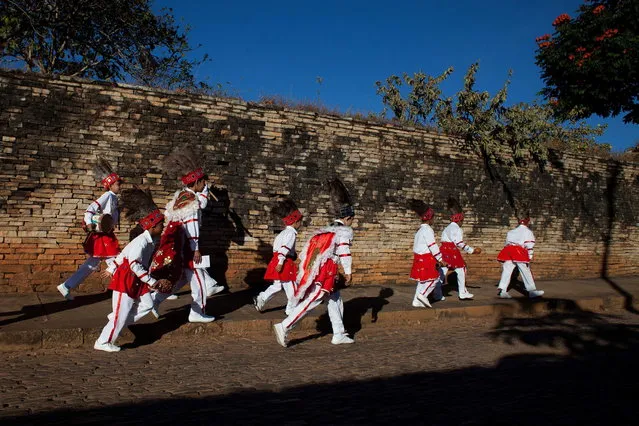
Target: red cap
x,y
192,177
428,214
457,217
292,218
151,219
110,180
525,221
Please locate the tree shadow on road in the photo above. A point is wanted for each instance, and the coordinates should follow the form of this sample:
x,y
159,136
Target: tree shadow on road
x,y
590,382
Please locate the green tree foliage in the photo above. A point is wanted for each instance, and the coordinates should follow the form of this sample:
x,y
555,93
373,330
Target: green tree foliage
x,y
507,136
590,64
114,40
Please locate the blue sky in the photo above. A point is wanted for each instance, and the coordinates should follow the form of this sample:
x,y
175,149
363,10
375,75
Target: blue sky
x,y
280,48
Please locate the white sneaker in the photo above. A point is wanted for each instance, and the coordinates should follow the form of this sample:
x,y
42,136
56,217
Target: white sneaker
x,y
64,291
155,312
340,339
423,300
172,297
280,334
417,304
466,296
442,299
213,290
195,317
106,347
256,304
535,293
503,294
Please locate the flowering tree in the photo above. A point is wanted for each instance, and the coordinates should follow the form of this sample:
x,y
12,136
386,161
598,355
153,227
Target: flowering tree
x,y
590,64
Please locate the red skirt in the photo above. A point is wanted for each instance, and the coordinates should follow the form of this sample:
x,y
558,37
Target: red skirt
x,y
424,267
99,244
125,281
327,276
288,270
452,255
513,253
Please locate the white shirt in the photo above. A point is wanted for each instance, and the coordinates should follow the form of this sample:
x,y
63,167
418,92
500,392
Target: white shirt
x,y
454,234
284,244
138,252
106,204
522,236
425,242
343,242
191,223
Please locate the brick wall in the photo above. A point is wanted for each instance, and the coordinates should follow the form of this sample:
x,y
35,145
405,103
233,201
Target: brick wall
x,y
52,130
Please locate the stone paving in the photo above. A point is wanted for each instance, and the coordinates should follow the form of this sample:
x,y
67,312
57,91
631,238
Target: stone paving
x,y
575,367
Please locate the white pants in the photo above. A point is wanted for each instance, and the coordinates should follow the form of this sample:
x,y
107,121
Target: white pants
x,y
125,311
524,270
89,266
335,307
273,289
198,280
429,286
461,279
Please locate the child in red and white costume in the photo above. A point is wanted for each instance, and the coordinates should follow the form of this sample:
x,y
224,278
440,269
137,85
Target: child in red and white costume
x,y
98,245
281,269
185,210
318,270
518,252
131,282
426,260
452,242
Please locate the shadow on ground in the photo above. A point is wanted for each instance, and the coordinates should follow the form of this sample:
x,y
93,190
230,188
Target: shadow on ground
x,y
43,309
591,383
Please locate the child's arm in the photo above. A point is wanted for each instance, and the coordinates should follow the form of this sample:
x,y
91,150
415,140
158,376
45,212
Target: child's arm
x,y
284,249
343,251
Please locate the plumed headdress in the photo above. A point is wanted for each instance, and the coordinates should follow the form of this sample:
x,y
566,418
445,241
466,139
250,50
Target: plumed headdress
x,y
456,213
183,163
286,211
522,211
138,206
421,209
105,173
341,201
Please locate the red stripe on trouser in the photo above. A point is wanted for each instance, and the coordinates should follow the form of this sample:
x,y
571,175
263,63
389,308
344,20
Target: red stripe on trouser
x,y
426,289
199,283
115,320
297,318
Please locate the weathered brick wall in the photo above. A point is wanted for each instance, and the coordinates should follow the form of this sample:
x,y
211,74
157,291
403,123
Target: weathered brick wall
x,y
52,130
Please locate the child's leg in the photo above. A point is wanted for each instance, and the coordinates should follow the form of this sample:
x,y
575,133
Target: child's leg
x,y
87,268
526,276
122,305
266,295
438,293
335,307
143,306
461,284
289,290
507,271
198,291
309,303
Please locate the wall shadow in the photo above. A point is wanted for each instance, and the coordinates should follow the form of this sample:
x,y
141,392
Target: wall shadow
x,y
614,173
37,310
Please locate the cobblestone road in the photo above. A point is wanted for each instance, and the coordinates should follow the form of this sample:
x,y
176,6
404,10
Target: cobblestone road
x,y
560,369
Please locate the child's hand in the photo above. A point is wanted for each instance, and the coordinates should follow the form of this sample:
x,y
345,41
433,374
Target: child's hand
x,y
197,257
105,274
279,267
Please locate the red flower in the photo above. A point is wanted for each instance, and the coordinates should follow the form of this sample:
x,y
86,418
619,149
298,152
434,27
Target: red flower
x,y
542,38
571,57
581,49
544,44
561,19
597,10
587,55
